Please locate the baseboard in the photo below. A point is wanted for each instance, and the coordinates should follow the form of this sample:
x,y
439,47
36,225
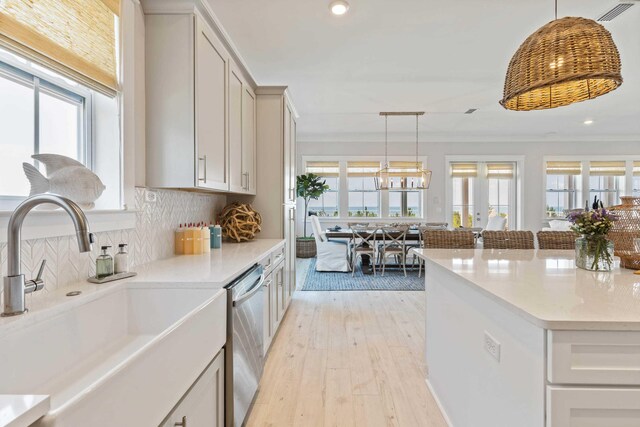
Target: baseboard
x,y
435,397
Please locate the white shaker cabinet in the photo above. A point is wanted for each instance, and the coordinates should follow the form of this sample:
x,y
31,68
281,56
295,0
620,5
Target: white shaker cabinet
x,y
186,90
242,133
249,139
203,404
201,118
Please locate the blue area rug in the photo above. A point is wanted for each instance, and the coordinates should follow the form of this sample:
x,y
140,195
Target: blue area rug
x,y
393,280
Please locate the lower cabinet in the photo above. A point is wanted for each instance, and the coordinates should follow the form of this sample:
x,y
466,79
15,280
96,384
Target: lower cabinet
x,y
203,404
593,406
275,302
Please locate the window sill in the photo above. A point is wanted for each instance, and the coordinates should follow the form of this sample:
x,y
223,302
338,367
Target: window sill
x,y
57,223
370,219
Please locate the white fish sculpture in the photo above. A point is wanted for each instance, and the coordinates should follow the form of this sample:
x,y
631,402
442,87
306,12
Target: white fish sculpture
x,y
66,177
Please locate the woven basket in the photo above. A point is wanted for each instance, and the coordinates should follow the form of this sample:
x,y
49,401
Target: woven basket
x,y
624,230
306,248
568,60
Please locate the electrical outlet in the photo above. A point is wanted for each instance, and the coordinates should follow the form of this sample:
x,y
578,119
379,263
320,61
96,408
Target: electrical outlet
x,y
151,196
492,346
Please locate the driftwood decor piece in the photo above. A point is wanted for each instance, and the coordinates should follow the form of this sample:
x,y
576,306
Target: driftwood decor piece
x,y
240,222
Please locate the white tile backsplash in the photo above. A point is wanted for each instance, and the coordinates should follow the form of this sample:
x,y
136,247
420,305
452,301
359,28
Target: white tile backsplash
x,y
150,240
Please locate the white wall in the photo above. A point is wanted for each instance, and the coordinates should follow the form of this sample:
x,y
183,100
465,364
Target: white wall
x,y
533,152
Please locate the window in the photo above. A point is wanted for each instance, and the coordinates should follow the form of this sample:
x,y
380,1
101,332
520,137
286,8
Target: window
x,y
37,116
463,176
328,203
364,199
606,180
405,203
636,179
562,187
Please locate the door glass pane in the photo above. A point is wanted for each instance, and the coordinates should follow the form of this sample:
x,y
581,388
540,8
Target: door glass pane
x,y
16,145
60,126
499,197
463,209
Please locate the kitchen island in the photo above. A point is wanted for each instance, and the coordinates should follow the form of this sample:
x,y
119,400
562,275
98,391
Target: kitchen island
x,y
524,338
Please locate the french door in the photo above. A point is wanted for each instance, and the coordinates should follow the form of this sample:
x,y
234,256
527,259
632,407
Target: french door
x,y
480,190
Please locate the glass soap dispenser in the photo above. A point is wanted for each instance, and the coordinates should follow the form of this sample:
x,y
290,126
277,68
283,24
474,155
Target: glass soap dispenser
x,y
104,264
121,260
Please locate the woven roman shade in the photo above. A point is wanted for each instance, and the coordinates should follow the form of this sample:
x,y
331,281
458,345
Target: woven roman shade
x,y
500,170
607,168
325,169
363,169
464,170
564,168
76,38
404,169
568,60
636,168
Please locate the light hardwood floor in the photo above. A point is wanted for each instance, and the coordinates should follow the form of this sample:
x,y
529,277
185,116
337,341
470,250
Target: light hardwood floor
x,y
348,359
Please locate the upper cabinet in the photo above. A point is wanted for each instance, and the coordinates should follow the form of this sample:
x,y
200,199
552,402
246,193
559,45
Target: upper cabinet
x,y
201,110
212,120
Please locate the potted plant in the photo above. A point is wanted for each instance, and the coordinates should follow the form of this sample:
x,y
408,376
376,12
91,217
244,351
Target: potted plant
x,y
308,186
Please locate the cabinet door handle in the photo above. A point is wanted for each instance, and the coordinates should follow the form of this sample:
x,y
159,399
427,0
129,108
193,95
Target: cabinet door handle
x,y
204,159
245,180
182,423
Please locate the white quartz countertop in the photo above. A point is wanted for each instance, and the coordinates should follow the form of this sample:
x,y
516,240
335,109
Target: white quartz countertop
x,y
218,267
545,287
22,410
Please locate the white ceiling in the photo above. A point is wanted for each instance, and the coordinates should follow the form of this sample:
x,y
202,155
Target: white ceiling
x,y
441,57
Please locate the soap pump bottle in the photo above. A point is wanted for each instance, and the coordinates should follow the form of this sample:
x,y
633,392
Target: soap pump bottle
x,y
121,260
104,264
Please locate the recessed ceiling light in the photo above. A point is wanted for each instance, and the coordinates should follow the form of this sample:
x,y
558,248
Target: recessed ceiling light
x,y
588,122
339,7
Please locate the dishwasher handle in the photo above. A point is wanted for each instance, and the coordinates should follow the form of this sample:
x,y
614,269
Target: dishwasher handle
x,y
251,292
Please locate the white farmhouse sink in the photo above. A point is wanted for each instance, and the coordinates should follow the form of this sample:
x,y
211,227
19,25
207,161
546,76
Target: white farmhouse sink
x,y
124,357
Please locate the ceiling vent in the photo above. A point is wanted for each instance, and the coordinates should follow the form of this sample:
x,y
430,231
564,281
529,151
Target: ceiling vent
x,y
615,11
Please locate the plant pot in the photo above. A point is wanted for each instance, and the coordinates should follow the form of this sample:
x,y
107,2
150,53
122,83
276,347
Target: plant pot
x,y
305,247
594,253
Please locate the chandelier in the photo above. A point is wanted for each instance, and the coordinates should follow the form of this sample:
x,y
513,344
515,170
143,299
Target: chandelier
x,y
407,176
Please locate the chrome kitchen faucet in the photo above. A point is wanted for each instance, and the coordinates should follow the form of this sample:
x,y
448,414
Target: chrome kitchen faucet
x,y
15,285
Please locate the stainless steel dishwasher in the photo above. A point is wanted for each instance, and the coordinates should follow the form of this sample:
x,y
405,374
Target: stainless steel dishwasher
x,y
244,354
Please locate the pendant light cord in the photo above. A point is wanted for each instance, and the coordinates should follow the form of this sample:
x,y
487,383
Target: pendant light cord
x,y
386,136
556,9
417,140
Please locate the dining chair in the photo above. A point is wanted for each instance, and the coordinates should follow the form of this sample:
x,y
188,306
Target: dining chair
x,y
507,239
363,243
330,256
446,239
393,244
557,239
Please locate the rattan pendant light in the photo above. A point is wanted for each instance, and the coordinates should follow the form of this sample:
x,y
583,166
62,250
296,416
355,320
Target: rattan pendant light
x,y
566,61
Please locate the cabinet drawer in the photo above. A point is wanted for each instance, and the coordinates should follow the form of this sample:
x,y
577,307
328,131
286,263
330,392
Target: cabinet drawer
x,y
593,407
593,357
277,255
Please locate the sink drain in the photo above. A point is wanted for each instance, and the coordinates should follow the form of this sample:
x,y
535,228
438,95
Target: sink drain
x,y
74,293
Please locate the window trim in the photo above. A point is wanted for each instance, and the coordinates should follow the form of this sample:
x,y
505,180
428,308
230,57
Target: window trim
x,y
343,187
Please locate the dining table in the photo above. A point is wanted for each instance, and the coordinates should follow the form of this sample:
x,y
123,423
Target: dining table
x,y
413,237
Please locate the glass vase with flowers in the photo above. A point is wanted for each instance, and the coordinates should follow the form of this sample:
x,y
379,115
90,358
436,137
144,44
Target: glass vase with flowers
x,y
593,250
